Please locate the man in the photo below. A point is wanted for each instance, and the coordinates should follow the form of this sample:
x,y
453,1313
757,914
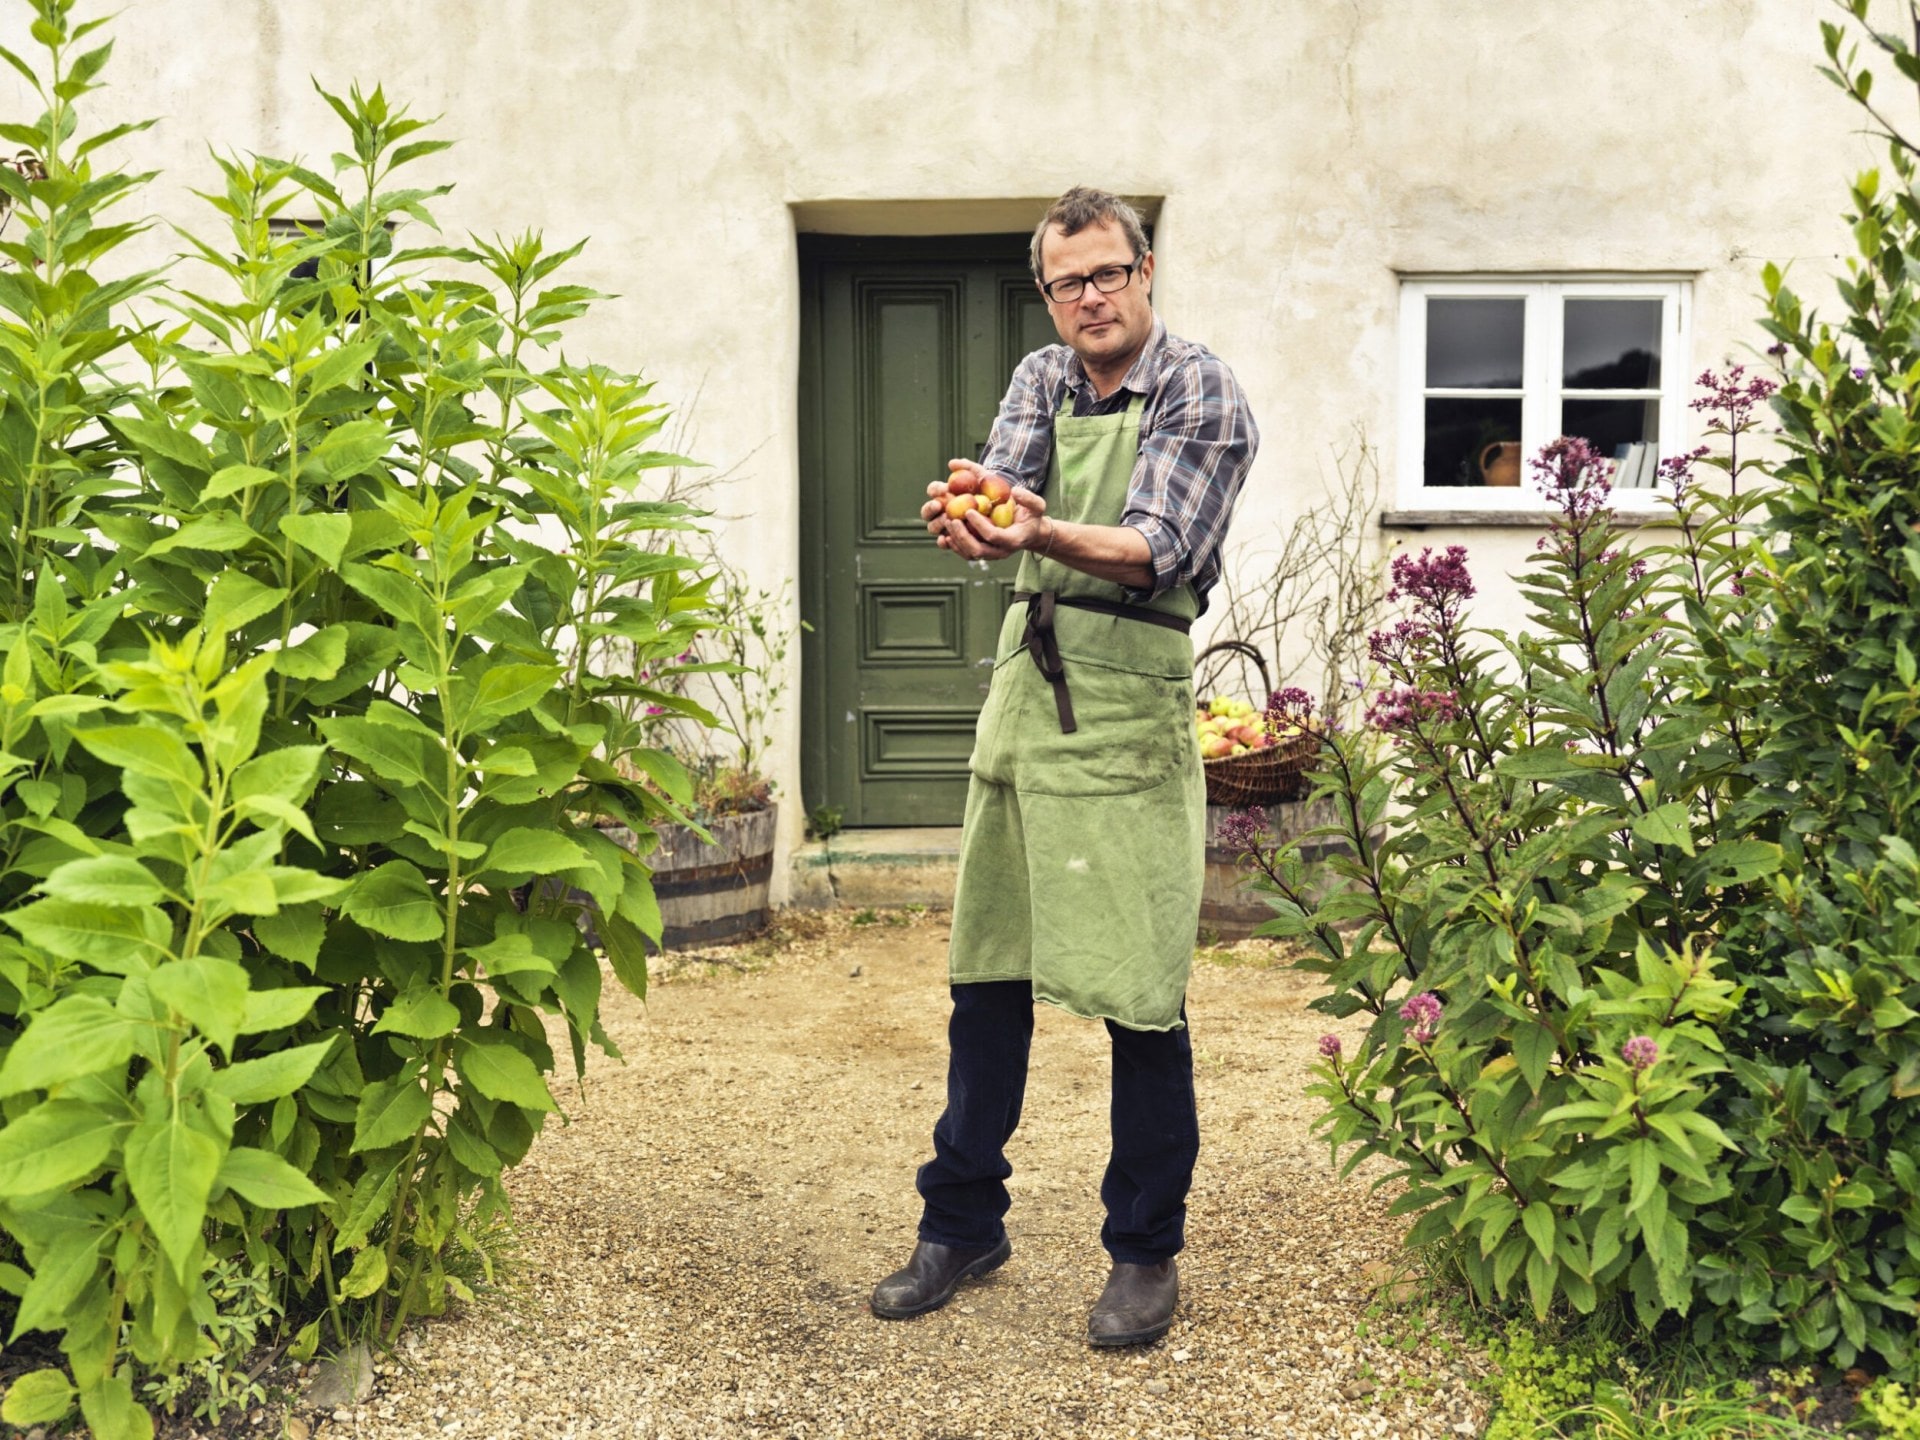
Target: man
x,y
1083,847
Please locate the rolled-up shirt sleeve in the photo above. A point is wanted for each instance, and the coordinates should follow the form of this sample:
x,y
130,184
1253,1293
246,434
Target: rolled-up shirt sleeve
x,y
1191,466
1020,445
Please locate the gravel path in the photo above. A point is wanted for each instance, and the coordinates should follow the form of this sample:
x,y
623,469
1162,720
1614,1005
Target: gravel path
x,y
697,1245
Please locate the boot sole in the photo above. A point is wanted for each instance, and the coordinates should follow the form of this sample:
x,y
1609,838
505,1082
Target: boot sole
x,y
985,1265
1131,1337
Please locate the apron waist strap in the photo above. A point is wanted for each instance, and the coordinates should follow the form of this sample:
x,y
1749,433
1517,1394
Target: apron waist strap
x,y
1044,647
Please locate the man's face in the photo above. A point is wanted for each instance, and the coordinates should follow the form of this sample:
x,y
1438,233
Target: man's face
x,y
1105,331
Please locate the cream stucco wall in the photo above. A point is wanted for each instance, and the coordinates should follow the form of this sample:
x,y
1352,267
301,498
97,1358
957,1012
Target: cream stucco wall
x,y
1308,153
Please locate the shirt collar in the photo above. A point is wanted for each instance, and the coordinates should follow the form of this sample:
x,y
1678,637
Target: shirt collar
x,y
1141,376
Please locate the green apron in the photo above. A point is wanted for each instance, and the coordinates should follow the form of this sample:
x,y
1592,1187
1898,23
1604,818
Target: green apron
x,y
1083,851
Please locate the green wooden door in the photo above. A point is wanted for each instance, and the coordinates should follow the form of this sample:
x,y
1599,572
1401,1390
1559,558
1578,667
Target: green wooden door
x,y
907,347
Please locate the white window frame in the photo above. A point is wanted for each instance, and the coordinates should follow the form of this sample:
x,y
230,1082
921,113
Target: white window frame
x,y
1540,395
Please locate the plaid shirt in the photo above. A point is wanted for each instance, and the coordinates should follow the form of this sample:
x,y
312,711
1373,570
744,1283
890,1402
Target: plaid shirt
x,y
1197,439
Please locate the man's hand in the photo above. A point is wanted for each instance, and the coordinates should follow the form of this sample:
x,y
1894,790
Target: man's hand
x,y
973,536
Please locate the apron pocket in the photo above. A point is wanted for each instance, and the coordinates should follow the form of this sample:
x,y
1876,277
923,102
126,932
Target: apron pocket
x,y
1134,732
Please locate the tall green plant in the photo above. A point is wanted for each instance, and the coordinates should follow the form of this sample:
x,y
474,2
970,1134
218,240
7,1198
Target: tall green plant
x,y
1643,946
311,572
1530,930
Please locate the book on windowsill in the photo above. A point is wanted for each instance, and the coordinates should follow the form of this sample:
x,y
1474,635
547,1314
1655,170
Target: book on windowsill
x,y
1636,464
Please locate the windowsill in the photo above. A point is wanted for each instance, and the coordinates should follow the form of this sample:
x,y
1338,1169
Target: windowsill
x,y
1430,519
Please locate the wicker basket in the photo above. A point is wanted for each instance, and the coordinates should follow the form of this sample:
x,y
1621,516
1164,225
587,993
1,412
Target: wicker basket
x,y
1259,777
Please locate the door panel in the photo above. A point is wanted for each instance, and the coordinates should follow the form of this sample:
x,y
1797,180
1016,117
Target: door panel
x,y
908,346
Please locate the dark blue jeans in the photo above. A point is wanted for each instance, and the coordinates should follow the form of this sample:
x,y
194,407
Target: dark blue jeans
x,y
1156,1133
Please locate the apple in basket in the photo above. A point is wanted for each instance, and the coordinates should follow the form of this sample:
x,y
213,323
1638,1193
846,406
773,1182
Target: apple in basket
x,y
1229,726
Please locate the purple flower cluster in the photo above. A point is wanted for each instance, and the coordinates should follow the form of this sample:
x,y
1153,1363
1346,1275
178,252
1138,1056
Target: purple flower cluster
x,y
1244,832
1640,1052
1330,1048
1436,582
1731,397
1405,707
1676,472
1422,1013
1403,649
1289,707
1573,476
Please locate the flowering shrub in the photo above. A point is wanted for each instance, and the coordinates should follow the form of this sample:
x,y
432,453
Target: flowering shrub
x,y
1640,945
1522,931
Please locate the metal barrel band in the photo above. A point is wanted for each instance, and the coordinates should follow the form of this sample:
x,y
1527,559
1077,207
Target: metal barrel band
x,y
1044,646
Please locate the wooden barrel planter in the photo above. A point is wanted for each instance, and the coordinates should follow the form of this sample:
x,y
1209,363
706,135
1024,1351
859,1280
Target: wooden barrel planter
x,y
707,893
714,892
1230,908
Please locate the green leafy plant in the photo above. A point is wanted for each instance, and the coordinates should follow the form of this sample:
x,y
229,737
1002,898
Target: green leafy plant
x,y
308,583
1545,1026
1891,1410
1640,943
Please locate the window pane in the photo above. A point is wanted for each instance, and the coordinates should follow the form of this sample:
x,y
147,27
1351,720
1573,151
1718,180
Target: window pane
x,y
1612,345
1627,431
1473,442
1475,344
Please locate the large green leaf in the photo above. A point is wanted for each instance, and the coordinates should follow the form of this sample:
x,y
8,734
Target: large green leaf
x,y
1669,824
266,1179
353,449
64,1271
55,1144
111,1411
626,951
422,1012
318,657
104,880
390,1112
38,1397
325,535
268,1077
526,851
295,933
277,1009
145,750
286,774
395,755
500,1072
74,1036
394,900
208,532
237,599
232,479
507,690
366,1275
172,1167
209,991
116,938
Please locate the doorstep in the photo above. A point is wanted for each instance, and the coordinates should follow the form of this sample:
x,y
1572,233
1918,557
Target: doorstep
x,y
884,869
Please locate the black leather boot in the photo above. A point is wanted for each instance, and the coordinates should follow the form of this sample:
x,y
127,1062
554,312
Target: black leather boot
x,y
931,1276
1137,1305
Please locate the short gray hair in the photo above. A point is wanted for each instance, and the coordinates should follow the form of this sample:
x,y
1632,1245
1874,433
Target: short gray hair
x,y
1083,206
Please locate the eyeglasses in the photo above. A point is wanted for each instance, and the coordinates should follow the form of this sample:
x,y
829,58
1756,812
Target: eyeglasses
x,y
1069,288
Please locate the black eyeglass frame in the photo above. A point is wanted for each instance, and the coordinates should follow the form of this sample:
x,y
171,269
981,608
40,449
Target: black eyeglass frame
x,y
1127,274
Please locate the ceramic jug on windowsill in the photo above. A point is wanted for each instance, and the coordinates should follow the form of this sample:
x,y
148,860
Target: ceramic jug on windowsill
x,y
1500,463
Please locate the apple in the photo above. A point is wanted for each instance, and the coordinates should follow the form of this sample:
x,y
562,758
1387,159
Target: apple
x,y
996,489
983,504
962,482
1214,747
958,506
1003,513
